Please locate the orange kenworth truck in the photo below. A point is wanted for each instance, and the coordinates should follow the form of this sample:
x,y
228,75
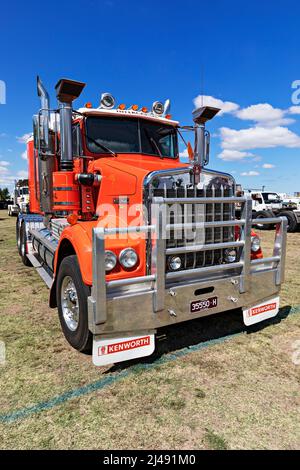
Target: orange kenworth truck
x,y
127,237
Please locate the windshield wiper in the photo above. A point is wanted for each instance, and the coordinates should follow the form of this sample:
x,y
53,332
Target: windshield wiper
x,y
154,144
102,146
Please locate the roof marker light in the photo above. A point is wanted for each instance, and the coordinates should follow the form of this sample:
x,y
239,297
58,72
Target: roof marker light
x,y
134,107
144,109
122,106
88,105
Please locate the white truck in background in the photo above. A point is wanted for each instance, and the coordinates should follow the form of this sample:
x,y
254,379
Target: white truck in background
x,y
268,204
20,199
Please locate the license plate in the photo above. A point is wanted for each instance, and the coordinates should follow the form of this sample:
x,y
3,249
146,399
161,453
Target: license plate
x,y
261,311
203,304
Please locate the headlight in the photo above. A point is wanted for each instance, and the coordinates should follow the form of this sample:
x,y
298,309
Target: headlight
x,y
128,258
110,260
158,108
107,101
255,244
230,255
174,263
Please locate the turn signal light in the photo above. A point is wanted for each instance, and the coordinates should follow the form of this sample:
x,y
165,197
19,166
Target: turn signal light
x,y
72,219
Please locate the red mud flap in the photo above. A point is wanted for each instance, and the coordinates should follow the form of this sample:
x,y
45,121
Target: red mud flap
x,y
261,312
112,350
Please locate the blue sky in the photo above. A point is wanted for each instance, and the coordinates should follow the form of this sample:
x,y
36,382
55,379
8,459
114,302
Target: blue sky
x,y
245,54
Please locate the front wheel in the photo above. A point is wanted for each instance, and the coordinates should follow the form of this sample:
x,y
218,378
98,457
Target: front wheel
x,y
264,215
72,294
292,222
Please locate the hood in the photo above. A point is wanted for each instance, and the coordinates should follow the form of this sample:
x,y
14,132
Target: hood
x,y
125,173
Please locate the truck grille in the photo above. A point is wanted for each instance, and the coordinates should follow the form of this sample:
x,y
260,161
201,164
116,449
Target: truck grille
x,y
211,212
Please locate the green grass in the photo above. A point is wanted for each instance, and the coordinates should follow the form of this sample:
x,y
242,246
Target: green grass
x,y
243,393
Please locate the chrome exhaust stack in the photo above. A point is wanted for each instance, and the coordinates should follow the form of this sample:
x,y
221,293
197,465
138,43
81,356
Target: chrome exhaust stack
x,y
66,92
45,116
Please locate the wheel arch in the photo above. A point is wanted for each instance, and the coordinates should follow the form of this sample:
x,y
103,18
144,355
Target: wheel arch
x,y
77,244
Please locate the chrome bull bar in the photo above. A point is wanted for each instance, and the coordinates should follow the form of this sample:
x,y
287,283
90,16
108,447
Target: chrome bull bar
x,y
158,280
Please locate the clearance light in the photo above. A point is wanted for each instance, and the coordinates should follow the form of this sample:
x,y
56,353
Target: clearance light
x,y
255,244
72,219
230,255
144,109
168,116
88,105
134,107
158,108
107,101
122,106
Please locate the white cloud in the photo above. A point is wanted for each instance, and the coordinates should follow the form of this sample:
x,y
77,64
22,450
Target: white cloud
x,y
184,154
264,114
294,110
22,174
250,173
225,106
24,155
23,139
4,163
233,155
258,137
268,165
3,170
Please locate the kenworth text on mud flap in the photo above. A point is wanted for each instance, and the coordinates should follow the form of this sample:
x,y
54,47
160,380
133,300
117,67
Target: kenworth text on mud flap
x,y
127,237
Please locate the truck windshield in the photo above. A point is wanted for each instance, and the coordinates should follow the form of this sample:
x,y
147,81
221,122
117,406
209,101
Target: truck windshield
x,y
271,197
130,135
24,191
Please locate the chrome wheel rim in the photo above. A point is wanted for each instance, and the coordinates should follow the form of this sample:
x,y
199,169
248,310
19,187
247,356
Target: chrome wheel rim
x,y
69,303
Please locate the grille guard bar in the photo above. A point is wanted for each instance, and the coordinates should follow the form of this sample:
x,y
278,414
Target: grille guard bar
x,y
158,279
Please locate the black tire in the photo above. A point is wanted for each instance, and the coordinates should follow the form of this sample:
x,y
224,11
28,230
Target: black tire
x,y
23,248
80,338
263,215
292,222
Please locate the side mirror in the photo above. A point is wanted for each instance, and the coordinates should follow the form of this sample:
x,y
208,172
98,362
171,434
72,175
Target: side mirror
x,y
207,148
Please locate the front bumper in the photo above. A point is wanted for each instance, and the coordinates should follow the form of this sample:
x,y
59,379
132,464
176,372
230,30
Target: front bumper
x,y
160,299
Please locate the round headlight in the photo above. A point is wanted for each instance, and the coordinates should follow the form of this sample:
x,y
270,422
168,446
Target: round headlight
x,y
110,260
230,255
158,108
255,244
107,101
128,258
174,263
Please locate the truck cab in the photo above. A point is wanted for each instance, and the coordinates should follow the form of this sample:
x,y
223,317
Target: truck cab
x,y
128,238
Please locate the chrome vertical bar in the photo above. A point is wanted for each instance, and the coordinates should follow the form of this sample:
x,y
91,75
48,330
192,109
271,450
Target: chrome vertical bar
x,y
98,296
159,255
246,252
280,249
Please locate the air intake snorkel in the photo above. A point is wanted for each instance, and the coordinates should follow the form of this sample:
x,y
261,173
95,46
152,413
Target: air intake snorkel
x,y
66,92
202,139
